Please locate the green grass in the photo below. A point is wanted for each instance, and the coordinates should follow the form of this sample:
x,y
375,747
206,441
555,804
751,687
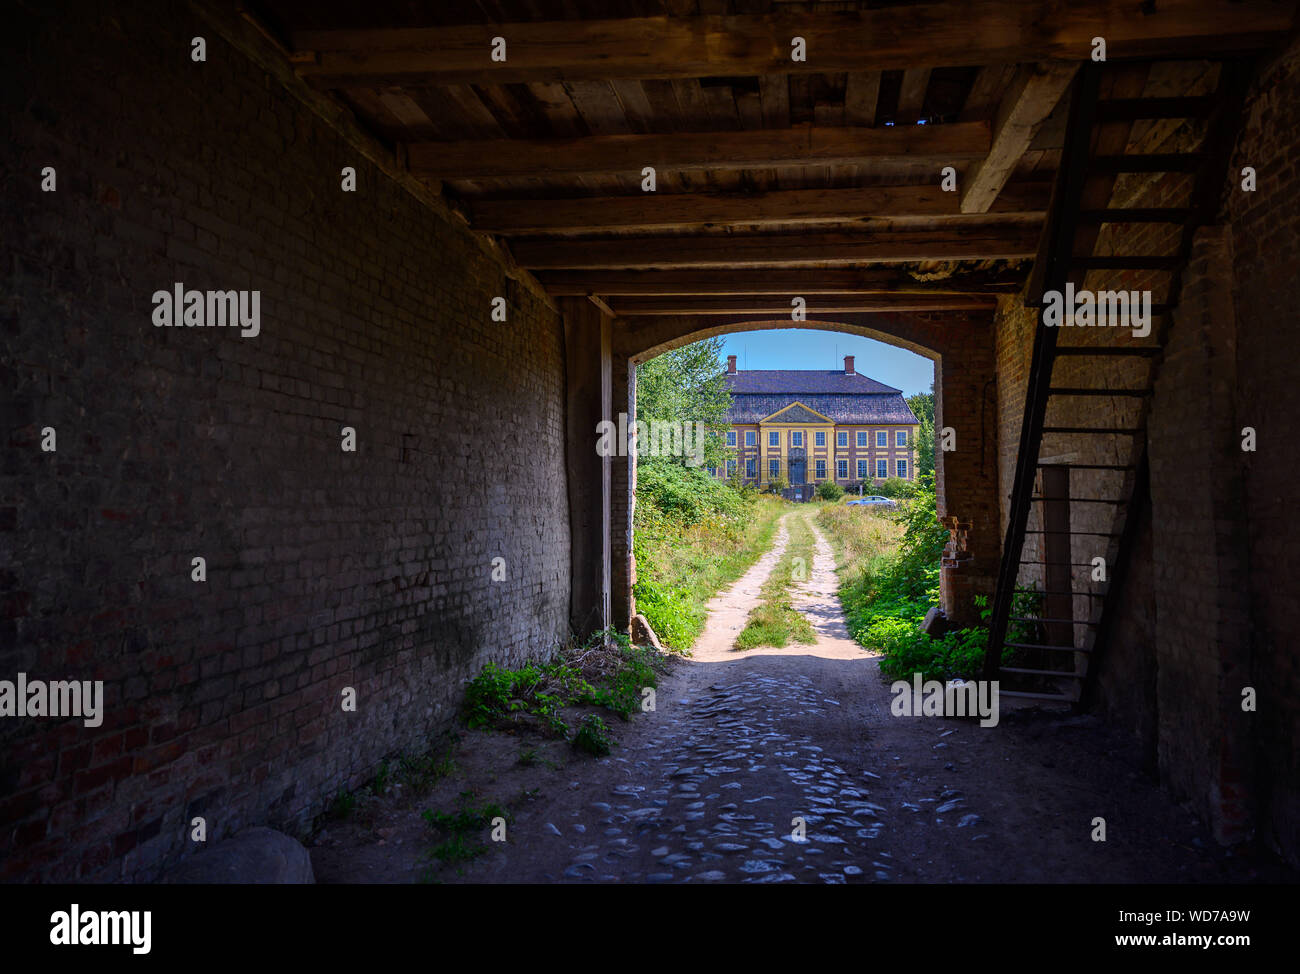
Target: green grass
x,y
889,580
774,621
681,566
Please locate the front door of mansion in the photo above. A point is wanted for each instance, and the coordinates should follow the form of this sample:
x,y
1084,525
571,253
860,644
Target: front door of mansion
x,y
798,467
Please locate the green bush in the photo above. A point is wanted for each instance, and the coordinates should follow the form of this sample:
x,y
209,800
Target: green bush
x,y
895,487
686,494
887,595
593,736
829,490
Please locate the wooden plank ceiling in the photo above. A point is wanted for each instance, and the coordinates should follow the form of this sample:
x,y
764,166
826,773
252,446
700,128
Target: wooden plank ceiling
x,y
774,177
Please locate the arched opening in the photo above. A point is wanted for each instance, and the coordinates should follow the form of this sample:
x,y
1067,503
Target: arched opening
x,y
803,441
964,387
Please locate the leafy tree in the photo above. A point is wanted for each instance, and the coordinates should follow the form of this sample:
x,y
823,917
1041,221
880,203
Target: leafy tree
x,y
922,405
687,385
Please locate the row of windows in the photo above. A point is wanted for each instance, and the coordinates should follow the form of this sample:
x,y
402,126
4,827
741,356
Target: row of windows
x,y
841,469
819,438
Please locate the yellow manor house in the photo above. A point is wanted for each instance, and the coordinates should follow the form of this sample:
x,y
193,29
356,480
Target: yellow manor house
x,y
809,426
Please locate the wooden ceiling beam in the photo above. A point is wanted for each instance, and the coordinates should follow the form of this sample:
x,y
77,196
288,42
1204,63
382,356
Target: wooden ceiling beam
x,y
816,304
1034,93
798,146
662,211
774,250
956,33
776,280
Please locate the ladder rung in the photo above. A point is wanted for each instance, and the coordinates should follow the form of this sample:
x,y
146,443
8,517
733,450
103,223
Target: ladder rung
x,y
1084,500
1092,466
1023,695
1062,649
1099,430
1147,350
1136,214
1057,673
1131,109
1059,564
1075,622
1099,392
1086,595
1152,162
1127,263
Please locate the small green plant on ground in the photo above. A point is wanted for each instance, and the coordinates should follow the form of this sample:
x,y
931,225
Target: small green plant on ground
x,y
607,672
407,776
775,621
593,736
459,831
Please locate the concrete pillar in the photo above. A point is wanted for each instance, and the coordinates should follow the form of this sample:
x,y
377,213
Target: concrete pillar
x,y
589,390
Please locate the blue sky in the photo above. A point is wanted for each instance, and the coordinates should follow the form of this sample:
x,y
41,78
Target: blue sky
x,y
803,348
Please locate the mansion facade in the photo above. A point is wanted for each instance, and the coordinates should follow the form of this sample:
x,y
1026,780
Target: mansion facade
x,y
810,426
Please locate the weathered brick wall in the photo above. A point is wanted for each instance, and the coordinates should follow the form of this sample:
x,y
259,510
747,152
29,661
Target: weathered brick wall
x,y
1209,606
1266,294
325,569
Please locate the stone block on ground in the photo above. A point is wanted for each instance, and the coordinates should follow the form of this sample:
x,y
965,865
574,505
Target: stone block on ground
x,y
256,855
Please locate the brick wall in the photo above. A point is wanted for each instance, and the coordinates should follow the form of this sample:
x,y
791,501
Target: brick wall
x,y
1265,228
1208,607
325,569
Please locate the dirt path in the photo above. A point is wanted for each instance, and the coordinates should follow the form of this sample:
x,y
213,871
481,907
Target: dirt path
x,y
743,747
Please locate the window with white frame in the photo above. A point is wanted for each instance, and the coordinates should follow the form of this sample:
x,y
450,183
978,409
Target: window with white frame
x,y
750,438
882,469
774,438
842,469
773,468
862,437
796,438
731,437
731,469
751,468
882,438
819,438
902,469
900,438
821,469
862,469
842,439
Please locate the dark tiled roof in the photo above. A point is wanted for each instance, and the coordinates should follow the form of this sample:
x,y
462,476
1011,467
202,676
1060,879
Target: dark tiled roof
x,y
800,382
860,409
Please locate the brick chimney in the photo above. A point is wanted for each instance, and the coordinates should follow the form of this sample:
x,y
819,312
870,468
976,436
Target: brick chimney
x,y
848,365
731,365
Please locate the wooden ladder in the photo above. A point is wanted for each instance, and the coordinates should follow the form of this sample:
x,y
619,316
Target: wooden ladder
x,y
1078,485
